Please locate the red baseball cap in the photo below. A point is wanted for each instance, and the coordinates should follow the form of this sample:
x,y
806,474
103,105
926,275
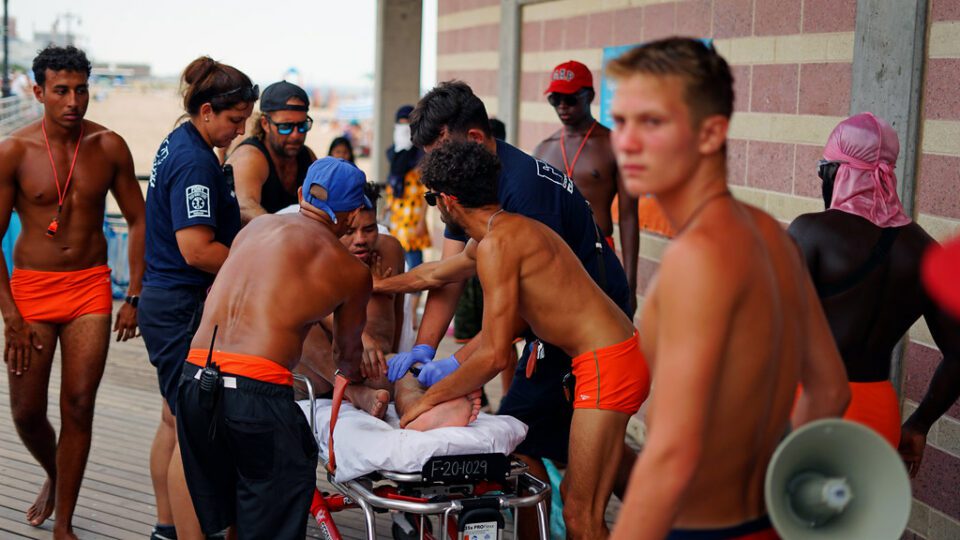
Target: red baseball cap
x,y
941,275
569,77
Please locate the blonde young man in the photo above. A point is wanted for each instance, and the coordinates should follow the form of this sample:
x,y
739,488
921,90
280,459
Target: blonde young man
x,y
730,324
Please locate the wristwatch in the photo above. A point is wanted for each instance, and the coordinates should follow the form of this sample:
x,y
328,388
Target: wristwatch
x,y
132,300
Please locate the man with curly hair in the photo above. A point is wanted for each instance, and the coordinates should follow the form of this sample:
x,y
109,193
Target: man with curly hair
x,y
520,262
56,174
452,112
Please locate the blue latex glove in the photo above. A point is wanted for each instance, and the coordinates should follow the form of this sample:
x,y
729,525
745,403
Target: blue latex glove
x,y
433,372
398,366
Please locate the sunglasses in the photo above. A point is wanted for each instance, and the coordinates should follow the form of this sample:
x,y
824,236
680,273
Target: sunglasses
x,y
555,99
246,93
827,169
286,128
433,196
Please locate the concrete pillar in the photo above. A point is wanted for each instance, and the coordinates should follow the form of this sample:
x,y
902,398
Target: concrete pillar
x,y
397,71
888,61
508,85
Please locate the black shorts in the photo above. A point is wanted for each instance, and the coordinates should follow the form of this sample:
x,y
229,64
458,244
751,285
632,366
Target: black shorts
x,y
168,318
258,471
541,403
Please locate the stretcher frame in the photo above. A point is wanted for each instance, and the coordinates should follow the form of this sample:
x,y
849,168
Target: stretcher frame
x,y
360,492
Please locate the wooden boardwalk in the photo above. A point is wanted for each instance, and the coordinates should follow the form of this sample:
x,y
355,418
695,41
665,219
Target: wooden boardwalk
x,y
116,499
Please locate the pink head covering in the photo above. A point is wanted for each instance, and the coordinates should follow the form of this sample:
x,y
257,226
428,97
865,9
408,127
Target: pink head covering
x,y
865,184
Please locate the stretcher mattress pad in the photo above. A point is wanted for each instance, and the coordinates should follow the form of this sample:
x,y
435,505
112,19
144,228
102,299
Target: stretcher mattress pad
x,y
366,444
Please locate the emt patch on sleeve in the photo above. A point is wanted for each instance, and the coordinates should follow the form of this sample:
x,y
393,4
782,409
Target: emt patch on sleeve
x,y
198,201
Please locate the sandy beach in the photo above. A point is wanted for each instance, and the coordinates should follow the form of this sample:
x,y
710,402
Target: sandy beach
x,y
143,116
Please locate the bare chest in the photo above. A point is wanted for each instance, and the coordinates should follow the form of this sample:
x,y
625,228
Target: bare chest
x,y
42,184
593,170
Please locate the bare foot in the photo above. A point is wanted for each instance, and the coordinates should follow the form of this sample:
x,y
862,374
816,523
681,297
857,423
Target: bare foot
x,y
475,400
457,412
43,506
64,534
368,399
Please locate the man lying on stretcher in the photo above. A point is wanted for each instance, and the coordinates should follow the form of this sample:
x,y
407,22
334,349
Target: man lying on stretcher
x,y
381,335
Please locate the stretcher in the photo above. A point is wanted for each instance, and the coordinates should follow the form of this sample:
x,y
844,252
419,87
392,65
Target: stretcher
x,y
464,477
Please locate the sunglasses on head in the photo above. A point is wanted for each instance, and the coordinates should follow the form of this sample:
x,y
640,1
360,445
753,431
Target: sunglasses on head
x,y
556,98
286,128
246,93
827,169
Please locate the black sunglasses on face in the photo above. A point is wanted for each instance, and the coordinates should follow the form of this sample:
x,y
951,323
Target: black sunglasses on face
x,y
286,128
555,99
827,169
431,197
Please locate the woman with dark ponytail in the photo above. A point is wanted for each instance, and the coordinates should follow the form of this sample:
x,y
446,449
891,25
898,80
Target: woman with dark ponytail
x,y
192,218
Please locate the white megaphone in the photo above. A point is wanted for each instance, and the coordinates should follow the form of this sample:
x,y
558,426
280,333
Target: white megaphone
x,y
837,479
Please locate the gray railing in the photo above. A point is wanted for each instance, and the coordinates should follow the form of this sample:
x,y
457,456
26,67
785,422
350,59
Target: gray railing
x,y
16,112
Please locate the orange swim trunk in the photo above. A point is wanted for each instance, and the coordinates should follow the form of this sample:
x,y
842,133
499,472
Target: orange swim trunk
x,y
60,297
610,243
875,405
614,378
244,365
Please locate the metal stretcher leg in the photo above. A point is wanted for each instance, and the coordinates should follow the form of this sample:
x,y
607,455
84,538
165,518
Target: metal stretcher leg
x,y
369,517
542,520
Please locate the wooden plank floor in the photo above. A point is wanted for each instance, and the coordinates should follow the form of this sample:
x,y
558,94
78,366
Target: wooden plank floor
x,y
116,499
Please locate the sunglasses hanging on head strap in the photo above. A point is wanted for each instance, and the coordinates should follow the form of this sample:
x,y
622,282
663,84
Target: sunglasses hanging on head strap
x,y
244,93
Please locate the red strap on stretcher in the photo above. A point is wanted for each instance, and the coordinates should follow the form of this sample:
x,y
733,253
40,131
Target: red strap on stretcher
x,y
532,359
339,388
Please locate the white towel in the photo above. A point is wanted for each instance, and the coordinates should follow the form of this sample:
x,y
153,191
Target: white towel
x,y
366,444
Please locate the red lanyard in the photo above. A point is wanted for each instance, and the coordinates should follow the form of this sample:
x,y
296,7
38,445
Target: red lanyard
x,y
61,195
563,150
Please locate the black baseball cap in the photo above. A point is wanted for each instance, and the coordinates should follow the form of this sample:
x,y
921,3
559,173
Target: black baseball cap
x,y
275,97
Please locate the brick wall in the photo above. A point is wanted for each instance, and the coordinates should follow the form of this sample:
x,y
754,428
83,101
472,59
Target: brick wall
x,y
792,63
468,38
936,509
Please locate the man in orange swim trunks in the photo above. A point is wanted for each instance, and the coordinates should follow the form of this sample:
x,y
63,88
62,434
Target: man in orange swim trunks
x,y
730,323
864,254
56,174
522,264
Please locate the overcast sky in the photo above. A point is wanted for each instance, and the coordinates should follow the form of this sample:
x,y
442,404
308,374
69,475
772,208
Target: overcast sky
x,y
327,41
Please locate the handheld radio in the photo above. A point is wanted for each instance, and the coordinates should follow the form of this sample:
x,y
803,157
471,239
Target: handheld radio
x,y
210,379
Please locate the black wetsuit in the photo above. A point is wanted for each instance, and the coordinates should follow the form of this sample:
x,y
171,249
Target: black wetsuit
x,y
273,196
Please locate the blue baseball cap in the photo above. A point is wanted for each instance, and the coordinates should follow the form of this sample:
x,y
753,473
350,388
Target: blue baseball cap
x,y
342,183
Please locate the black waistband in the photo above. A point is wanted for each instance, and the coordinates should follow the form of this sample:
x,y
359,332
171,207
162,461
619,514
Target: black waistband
x,y
762,523
245,384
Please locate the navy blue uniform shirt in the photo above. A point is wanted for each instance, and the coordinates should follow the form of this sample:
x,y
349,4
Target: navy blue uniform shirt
x,y
539,191
187,188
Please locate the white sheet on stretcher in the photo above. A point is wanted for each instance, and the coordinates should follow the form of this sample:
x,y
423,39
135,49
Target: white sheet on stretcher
x,y
366,444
